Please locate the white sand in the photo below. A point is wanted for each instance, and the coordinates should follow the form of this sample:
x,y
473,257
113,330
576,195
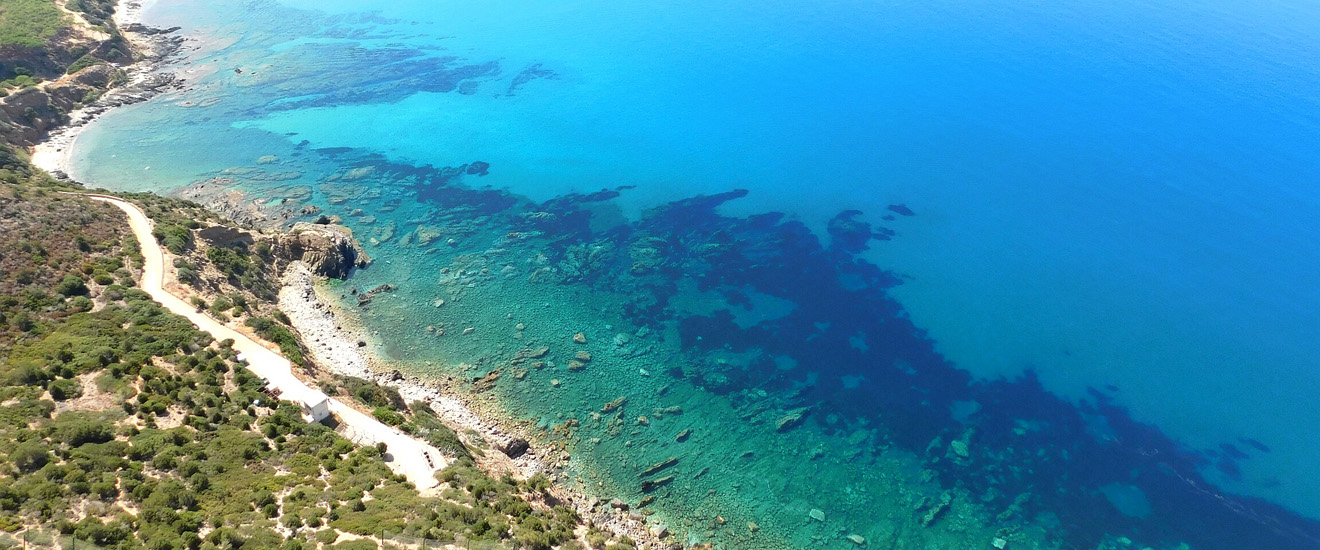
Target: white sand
x,y
54,153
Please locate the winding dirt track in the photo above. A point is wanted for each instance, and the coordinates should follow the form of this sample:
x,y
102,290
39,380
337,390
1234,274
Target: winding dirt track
x,y
406,456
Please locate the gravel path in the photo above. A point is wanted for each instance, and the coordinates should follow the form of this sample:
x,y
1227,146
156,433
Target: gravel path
x,y
409,457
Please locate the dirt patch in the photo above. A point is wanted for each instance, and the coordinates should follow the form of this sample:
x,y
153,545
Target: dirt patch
x,y
92,398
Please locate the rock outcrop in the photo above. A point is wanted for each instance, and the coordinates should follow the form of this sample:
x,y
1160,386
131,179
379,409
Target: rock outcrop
x,y
94,82
329,250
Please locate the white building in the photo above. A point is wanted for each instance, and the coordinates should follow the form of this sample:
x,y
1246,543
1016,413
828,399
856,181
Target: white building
x,y
315,404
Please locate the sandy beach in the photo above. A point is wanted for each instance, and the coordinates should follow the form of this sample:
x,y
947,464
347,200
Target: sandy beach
x,y
153,48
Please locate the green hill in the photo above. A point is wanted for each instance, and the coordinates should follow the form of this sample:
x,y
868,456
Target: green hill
x,y
29,23
123,426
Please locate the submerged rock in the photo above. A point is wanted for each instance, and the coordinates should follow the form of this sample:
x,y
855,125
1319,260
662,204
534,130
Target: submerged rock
x,y
791,419
936,508
648,486
901,209
478,168
485,382
857,539
816,514
959,448
659,466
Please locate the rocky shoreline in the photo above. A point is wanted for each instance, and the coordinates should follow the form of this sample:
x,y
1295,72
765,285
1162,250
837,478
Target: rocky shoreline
x,y
338,344
153,49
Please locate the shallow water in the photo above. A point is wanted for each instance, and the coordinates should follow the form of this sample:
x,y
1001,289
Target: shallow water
x,y
1115,199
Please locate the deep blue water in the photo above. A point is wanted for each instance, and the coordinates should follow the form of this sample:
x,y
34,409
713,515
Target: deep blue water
x,y
1116,198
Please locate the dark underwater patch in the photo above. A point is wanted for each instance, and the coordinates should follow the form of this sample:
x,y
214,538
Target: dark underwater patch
x,y
1057,459
1023,450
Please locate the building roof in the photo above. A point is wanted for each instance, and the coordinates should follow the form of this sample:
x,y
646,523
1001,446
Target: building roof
x,y
305,396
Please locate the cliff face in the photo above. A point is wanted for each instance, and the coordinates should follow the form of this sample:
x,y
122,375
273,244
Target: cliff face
x,y
26,115
329,250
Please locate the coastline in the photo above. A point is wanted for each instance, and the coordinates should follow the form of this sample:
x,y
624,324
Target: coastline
x,y
368,366
339,344
331,335
143,81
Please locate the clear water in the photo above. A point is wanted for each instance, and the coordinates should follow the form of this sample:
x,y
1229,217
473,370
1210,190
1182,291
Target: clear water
x,y
1118,197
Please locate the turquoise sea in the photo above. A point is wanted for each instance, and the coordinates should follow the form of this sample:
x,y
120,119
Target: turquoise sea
x,y
944,271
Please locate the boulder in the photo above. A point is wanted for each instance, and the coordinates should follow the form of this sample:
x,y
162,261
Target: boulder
x,y
516,447
330,251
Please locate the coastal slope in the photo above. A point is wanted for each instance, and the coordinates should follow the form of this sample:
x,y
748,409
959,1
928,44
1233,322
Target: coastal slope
x,y
409,457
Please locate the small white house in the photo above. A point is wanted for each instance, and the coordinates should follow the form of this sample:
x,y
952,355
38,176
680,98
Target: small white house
x,y
315,404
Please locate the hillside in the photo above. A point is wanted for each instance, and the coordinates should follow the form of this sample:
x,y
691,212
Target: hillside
x,y
126,427
55,56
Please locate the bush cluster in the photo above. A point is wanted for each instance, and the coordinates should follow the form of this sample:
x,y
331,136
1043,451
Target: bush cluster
x,y
168,424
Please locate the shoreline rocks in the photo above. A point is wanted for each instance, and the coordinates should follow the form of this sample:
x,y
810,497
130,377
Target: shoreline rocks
x,y
332,338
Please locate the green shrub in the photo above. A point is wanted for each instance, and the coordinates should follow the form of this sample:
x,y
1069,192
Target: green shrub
x,y
373,394
388,416
61,390
272,332
360,544
220,305
72,285
78,430
81,303
83,63
30,456
176,238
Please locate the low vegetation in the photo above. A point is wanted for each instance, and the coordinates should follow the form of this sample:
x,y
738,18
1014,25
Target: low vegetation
x,y
29,23
123,426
